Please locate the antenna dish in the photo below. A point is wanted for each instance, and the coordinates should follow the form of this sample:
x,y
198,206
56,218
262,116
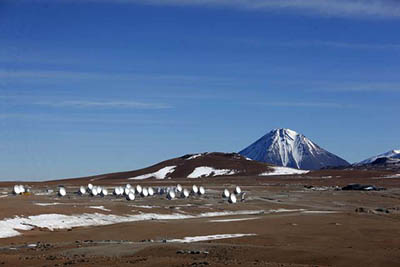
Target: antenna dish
x,y
178,188
62,192
16,190
202,191
151,191
130,196
121,191
171,195
232,199
226,193
90,186
139,189
94,191
82,190
127,191
145,192
185,193
160,191
195,189
104,192
238,190
128,186
243,197
116,191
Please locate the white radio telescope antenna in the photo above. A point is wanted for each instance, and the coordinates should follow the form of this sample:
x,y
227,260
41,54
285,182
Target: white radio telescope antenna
x,y
16,190
62,192
178,188
104,192
94,191
185,193
138,189
82,190
238,190
151,191
130,196
232,199
202,191
145,192
195,189
171,195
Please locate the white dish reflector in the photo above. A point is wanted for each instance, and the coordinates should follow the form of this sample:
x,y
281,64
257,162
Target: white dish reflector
x,y
238,190
62,192
130,196
151,191
226,193
195,189
179,188
232,199
185,193
82,190
104,192
171,195
202,191
145,192
17,190
94,191
139,189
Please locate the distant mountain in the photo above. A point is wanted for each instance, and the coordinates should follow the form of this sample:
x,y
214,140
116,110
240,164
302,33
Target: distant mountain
x,y
285,147
392,154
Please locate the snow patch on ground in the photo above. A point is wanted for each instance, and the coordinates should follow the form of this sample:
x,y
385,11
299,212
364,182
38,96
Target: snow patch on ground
x,y
285,210
160,174
209,171
43,193
234,220
9,227
284,171
99,208
319,212
48,204
144,206
392,176
191,239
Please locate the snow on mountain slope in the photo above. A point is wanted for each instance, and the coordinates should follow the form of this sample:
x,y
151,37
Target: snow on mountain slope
x,y
285,147
395,154
209,171
160,174
208,164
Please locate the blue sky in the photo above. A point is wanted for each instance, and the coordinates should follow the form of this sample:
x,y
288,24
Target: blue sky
x,y
96,86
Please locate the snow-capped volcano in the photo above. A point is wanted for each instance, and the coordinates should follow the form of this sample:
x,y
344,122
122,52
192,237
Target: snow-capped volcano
x,y
394,154
285,147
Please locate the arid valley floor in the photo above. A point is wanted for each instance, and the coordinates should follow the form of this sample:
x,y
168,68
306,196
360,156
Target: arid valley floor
x,y
298,220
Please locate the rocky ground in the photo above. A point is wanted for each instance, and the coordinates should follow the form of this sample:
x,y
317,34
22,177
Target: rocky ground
x,y
285,221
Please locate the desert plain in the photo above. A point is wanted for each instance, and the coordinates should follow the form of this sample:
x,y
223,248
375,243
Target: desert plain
x,y
292,220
